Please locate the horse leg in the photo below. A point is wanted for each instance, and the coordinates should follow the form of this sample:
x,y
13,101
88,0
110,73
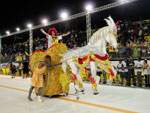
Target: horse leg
x,y
94,79
76,76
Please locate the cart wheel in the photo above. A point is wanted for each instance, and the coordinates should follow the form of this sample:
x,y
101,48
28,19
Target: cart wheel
x,y
83,92
66,94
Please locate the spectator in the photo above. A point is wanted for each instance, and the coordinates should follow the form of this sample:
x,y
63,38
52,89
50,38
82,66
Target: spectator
x,y
120,46
135,49
25,69
20,69
130,64
18,57
128,49
139,72
13,70
125,71
131,48
139,48
146,73
124,51
120,71
140,32
24,57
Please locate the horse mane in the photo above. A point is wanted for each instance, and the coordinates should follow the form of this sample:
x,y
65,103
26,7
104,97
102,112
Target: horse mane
x,y
98,35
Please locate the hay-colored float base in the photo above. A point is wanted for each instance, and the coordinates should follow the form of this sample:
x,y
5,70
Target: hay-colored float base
x,y
56,82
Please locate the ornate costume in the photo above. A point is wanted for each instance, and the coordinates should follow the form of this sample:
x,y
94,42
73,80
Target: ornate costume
x,y
37,77
52,40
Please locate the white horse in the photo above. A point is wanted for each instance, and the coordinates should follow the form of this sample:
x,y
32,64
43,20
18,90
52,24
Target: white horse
x,y
96,45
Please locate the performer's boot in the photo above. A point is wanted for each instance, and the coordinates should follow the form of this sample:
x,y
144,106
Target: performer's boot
x,y
39,96
29,98
30,92
40,99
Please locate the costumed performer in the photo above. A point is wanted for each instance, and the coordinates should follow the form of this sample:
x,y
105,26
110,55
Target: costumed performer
x,y
37,78
52,37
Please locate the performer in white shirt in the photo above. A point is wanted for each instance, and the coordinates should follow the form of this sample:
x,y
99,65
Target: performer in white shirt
x,y
52,37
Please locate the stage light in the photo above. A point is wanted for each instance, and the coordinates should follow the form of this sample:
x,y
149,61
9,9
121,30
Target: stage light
x,y
44,21
64,15
8,32
17,29
29,25
89,7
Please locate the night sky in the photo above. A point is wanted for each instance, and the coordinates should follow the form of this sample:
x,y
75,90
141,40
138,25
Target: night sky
x,y
18,14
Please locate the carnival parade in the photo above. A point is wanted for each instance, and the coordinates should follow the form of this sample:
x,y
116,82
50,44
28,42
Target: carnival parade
x,y
106,70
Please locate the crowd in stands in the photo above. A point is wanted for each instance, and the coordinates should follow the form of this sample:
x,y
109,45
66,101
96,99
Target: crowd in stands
x,y
134,40
129,73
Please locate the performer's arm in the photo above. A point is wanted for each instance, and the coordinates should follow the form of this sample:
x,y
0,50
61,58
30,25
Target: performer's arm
x,y
66,34
44,32
50,65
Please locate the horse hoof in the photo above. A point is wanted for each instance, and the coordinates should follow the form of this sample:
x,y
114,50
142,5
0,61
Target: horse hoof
x,y
66,94
82,90
96,93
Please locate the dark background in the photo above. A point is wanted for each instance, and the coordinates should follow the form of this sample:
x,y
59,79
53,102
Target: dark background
x,y
17,14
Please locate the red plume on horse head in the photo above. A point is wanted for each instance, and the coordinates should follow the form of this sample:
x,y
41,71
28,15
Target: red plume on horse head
x,y
52,29
119,21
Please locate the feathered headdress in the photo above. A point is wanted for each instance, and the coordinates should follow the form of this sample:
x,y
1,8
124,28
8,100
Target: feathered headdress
x,y
52,29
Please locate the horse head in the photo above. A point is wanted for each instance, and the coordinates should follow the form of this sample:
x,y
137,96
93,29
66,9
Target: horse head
x,y
111,37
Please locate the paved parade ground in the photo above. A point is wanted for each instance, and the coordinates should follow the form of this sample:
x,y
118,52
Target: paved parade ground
x,y
111,99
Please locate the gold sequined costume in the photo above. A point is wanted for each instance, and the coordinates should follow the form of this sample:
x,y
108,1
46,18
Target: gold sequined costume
x,y
56,82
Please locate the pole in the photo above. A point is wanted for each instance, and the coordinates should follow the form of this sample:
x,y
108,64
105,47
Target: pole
x,y
88,26
30,41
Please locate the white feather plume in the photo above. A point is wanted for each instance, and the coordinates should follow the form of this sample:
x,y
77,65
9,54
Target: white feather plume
x,y
108,22
111,20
